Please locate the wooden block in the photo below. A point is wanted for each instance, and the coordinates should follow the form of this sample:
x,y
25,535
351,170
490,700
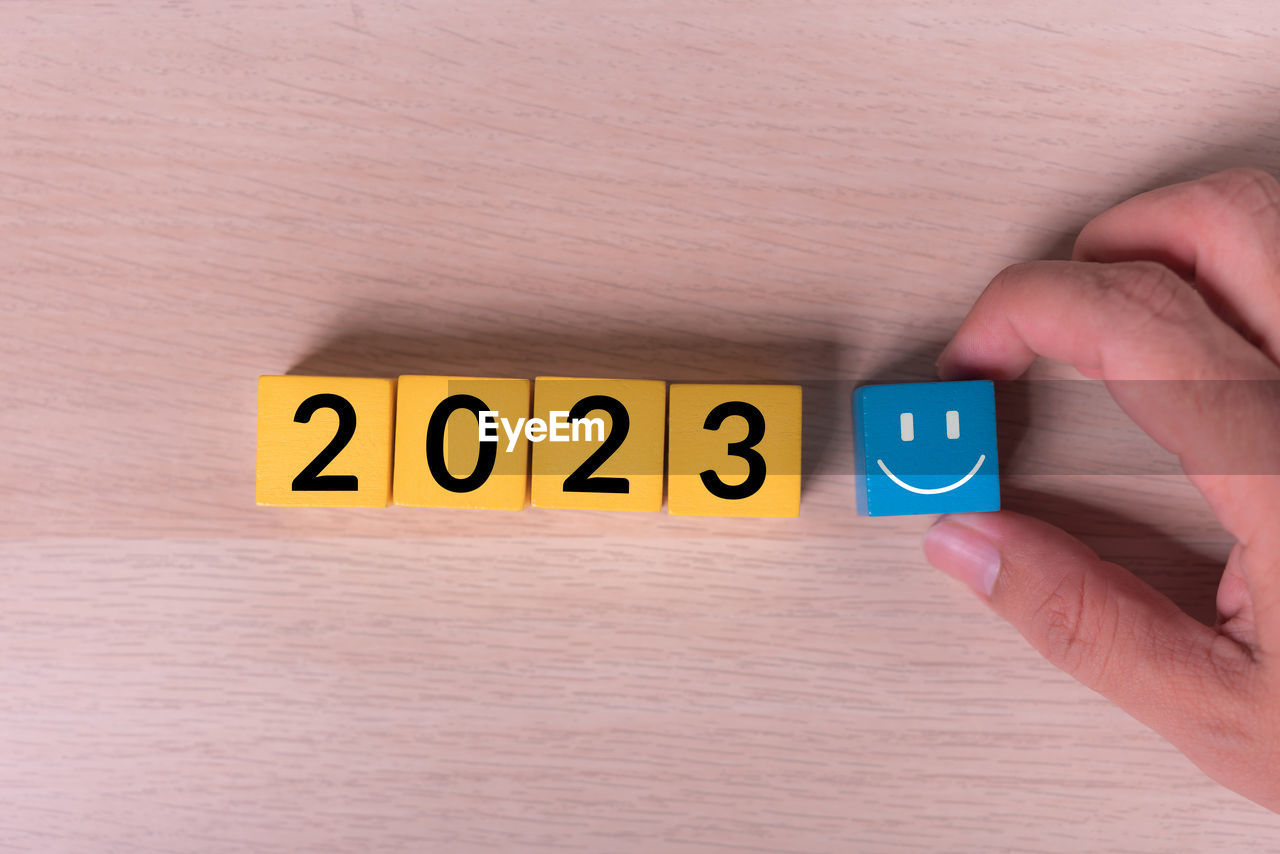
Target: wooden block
x,y
734,450
324,441
615,464
925,448
440,458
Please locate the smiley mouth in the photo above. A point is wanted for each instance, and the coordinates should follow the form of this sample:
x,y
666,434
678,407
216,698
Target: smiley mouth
x,y
959,483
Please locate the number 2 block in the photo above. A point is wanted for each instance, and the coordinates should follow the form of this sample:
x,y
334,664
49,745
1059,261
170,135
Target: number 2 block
x,y
440,458
734,450
324,441
615,463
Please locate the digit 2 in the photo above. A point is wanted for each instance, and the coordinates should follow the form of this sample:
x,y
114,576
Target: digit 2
x,y
584,479
310,479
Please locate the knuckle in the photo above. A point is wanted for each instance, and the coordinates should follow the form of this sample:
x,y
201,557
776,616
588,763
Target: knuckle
x,y
1248,191
1244,201
1265,716
1221,699
1010,277
1143,291
1230,719
1072,635
1237,743
1229,667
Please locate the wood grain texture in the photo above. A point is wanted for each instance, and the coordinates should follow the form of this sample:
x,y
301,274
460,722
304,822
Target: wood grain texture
x,y
196,193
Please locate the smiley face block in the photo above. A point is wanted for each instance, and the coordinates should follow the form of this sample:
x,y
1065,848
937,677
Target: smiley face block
x,y
324,441
734,450
925,448
442,458
598,443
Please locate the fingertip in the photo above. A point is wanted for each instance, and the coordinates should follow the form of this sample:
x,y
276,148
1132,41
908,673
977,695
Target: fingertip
x,y
954,363
951,371
946,366
982,350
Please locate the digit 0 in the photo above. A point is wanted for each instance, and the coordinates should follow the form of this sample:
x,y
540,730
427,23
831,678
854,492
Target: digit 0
x,y
435,445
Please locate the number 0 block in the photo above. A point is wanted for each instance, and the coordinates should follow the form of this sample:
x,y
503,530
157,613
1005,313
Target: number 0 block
x,y
440,458
324,441
614,460
734,450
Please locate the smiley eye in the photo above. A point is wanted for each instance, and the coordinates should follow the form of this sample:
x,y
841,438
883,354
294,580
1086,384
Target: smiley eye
x,y
953,424
907,422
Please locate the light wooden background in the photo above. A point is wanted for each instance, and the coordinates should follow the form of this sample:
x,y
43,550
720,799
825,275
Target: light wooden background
x,y
195,193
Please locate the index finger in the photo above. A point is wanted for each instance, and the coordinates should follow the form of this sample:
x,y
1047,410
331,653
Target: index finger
x,y
1140,321
1223,230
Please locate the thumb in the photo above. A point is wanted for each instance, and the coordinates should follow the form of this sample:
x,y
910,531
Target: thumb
x,y
1095,620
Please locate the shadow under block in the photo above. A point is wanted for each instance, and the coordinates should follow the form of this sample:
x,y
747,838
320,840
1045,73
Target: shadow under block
x,y
324,441
925,448
440,460
622,472
734,450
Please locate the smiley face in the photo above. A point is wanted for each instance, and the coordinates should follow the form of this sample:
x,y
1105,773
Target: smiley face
x,y
925,448
906,428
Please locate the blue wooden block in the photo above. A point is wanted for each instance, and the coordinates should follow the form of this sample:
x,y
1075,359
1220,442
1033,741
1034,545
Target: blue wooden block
x,y
925,448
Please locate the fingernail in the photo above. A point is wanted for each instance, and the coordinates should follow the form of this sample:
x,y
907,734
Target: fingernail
x,y
964,554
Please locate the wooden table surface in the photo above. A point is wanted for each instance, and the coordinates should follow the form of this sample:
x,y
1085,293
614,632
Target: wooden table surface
x,y
194,193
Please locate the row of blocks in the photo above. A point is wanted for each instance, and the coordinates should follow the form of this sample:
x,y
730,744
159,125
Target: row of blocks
x,y
730,450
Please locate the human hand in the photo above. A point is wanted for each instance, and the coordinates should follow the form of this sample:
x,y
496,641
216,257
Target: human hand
x,y
1181,283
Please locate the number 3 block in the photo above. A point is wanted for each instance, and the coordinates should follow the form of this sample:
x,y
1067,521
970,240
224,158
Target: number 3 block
x,y
324,441
734,450
615,462
440,458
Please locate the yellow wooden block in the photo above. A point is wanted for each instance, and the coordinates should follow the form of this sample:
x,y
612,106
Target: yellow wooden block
x,y
325,441
734,450
440,458
615,463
